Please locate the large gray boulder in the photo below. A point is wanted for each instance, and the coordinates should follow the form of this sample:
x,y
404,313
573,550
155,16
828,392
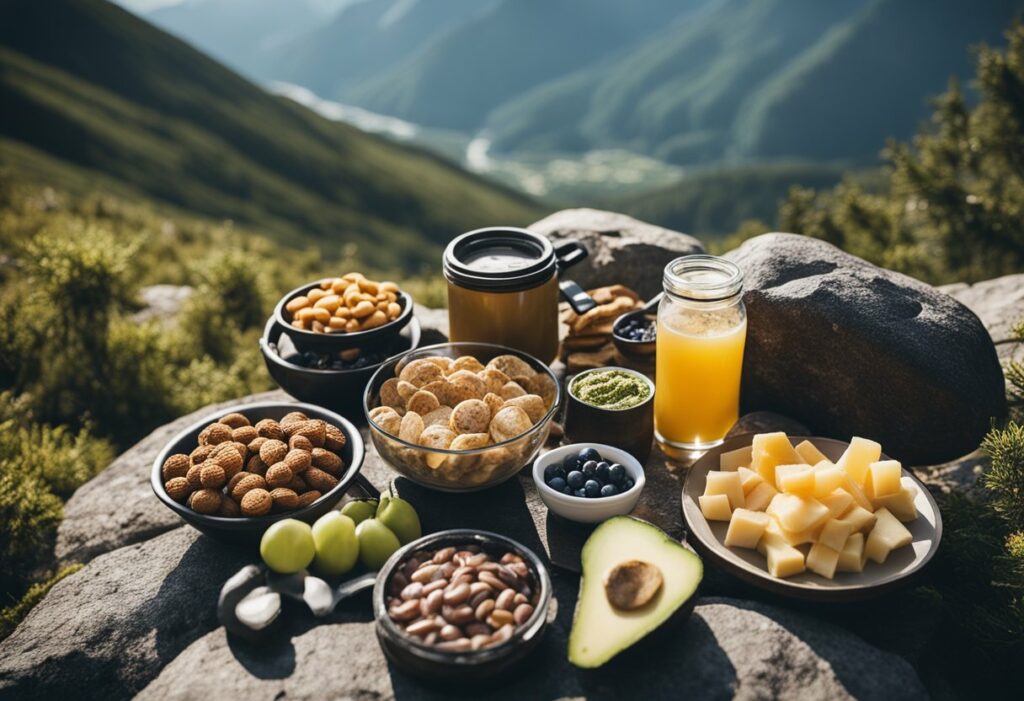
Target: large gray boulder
x,y
622,249
727,649
107,630
851,349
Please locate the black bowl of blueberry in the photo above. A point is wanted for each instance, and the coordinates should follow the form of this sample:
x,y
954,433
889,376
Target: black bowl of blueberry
x,y
635,333
588,482
336,379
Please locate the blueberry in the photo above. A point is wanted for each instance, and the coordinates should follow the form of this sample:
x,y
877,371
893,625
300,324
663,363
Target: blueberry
x,y
627,484
589,454
592,488
590,468
567,490
580,493
557,483
571,462
553,471
575,479
616,473
609,490
602,471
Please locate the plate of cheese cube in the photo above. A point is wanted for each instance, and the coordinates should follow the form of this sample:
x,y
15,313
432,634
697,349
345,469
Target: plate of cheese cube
x,y
813,518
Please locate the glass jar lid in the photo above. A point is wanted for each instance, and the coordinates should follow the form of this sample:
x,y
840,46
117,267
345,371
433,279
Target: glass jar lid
x,y
703,278
499,259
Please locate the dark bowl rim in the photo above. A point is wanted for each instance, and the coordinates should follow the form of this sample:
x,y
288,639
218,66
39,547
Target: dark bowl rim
x,y
537,620
276,358
241,523
544,421
609,368
399,322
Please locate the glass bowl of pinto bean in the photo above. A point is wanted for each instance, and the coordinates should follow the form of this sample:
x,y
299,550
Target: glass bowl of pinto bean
x,y
461,605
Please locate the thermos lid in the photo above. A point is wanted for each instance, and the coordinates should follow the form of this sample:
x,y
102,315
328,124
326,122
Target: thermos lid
x,y
499,259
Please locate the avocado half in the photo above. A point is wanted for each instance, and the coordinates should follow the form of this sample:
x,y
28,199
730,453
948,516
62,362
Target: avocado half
x,y
600,630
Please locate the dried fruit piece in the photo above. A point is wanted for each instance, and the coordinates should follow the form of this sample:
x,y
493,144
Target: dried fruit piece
x,y
470,416
273,451
244,434
319,480
334,438
226,455
422,402
298,460
284,499
327,461
256,502
268,428
315,430
234,420
279,475
212,475
178,488
307,498
421,371
193,476
175,466
244,486
508,423
215,434
205,501
300,443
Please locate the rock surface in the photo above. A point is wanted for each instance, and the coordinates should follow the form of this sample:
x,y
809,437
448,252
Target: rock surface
x,y
727,649
107,630
163,302
999,303
622,249
880,353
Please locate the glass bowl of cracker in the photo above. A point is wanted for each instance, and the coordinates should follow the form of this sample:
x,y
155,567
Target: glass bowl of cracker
x,y
461,417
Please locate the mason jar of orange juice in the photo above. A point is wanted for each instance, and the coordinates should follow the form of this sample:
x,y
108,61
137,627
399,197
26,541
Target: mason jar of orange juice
x,y
702,328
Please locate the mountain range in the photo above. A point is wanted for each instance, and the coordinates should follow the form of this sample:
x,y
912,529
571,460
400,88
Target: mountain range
x,y
92,93
686,81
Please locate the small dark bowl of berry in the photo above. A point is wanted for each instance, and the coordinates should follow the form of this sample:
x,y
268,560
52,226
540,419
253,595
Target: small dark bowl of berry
x,y
335,380
634,333
588,482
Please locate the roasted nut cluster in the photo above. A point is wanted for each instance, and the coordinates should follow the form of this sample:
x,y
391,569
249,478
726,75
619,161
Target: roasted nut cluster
x,y
241,469
461,599
461,404
344,305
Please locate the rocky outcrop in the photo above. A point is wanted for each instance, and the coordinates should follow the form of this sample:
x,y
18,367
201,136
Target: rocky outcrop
x,y
849,348
622,249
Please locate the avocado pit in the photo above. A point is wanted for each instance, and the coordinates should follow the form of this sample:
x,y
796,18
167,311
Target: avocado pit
x,y
632,584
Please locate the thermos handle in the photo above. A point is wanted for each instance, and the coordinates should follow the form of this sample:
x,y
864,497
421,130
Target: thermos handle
x,y
567,255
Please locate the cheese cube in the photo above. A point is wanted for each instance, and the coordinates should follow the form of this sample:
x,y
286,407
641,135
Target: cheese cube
x,y
851,559
887,535
810,454
795,479
784,560
741,457
822,560
793,538
827,478
900,504
834,533
760,496
861,519
727,483
749,479
746,528
858,456
837,502
770,450
857,493
796,514
715,507
883,479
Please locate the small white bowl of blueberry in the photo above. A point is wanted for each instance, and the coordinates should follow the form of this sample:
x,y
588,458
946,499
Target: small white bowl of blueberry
x,y
588,482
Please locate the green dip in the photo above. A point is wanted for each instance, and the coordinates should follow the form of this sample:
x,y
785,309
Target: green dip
x,y
611,389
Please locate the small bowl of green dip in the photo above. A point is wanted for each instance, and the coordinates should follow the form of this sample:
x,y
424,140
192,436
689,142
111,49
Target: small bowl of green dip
x,y
611,405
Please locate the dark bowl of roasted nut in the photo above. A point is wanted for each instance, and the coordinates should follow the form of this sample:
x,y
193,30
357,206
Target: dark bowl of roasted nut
x,y
335,314
461,606
231,475
332,379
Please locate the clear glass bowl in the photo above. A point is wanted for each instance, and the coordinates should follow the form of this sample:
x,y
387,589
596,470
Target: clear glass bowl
x,y
459,470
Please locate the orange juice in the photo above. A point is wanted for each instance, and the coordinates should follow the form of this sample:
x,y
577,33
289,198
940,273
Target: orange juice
x,y
698,373
702,330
